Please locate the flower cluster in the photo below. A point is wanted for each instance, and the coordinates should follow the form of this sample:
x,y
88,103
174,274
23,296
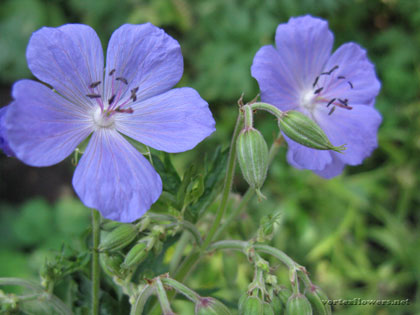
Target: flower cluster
x,y
131,97
336,90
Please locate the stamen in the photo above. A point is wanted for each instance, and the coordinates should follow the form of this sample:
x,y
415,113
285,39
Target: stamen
x,y
94,84
341,77
331,111
315,82
344,102
330,102
133,94
93,95
351,84
111,100
331,71
317,91
125,110
112,72
123,80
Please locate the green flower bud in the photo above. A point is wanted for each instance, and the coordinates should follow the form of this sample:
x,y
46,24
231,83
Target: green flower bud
x,y
242,300
277,305
118,238
251,306
316,298
284,294
252,155
305,131
109,225
210,306
267,309
136,255
298,304
111,264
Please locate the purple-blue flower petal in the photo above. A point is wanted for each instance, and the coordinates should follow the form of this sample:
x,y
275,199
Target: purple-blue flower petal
x,y
115,178
332,169
356,128
69,58
303,157
304,45
174,121
43,128
277,84
146,58
358,82
4,143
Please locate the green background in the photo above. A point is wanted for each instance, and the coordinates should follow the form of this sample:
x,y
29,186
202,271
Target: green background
x,y
357,234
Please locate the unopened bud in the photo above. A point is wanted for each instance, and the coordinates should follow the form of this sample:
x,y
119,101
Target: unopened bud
x,y
284,294
267,309
305,131
298,304
109,225
252,155
210,306
318,299
251,306
277,305
111,264
136,255
118,238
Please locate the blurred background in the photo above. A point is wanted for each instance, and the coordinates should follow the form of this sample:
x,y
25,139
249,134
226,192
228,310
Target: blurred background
x,y
357,234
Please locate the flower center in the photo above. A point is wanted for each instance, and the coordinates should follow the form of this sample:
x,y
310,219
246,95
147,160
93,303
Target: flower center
x,y
103,115
316,94
308,100
103,119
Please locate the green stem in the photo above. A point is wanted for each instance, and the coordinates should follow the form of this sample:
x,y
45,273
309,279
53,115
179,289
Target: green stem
x,y
96,220
242,245
163,298
138,306
181,288
227,185
248,117
179,251
268,108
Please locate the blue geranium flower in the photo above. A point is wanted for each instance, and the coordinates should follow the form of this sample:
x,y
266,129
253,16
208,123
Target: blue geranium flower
x,y
337,91
132,96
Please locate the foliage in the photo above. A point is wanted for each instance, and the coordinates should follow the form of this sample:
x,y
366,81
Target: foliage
x,y
357,234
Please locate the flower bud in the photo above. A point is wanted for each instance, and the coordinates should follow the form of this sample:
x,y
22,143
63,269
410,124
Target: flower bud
x,y
298,304
318,299
305,131
118,238
109,225
267,309
277,305
283,293
136,255
252,155
210,306
251,306
111,264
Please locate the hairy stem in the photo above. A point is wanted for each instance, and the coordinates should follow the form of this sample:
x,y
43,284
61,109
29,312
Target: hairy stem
x,y
96,220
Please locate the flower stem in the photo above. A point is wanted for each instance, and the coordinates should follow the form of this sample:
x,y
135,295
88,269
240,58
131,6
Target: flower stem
x,y
227,184
268,108
96,220
242,245
163,298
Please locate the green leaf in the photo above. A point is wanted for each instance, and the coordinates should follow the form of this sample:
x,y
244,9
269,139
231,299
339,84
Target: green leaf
x,y
212,184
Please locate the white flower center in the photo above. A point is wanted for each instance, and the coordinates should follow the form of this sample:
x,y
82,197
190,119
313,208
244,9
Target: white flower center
x,y
308,99
102,120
